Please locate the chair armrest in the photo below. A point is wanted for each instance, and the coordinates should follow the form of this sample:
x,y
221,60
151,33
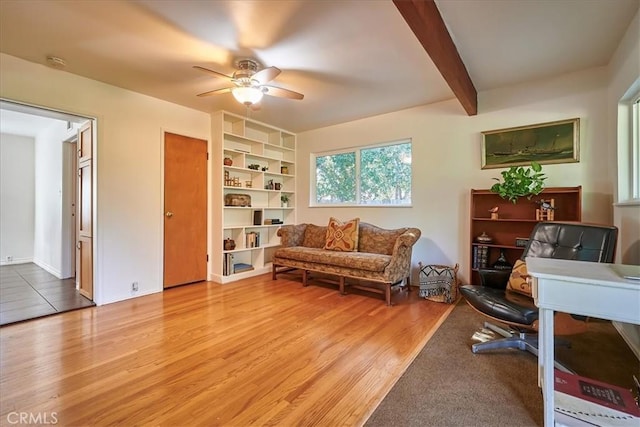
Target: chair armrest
x,y
291,235
494,278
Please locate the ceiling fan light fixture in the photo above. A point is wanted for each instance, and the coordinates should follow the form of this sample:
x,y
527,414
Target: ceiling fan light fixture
x,y
247,95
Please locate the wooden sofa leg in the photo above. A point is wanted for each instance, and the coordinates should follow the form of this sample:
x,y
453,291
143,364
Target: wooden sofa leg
x,y
342,292
274,271
387,293
408,284
304,278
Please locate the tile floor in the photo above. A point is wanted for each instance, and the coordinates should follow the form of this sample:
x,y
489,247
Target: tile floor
x,y
28,291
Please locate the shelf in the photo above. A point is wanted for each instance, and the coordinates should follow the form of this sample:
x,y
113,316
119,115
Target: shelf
x,y
493,245
505,220
249,142
515,221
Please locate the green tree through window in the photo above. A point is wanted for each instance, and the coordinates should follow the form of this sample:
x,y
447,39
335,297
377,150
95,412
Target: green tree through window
x,y
378,175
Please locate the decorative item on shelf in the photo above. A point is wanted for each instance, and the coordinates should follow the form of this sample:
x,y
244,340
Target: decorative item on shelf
x,y
265,168
269,185
484,238
277,186
285,200
545,211
254,166
521,242
494,212
228,161
502,263
248,184
520,181
229,244
242,200
231,182
284,170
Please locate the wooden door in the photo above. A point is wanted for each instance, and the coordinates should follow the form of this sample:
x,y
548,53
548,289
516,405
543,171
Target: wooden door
x,y
84,209
185,210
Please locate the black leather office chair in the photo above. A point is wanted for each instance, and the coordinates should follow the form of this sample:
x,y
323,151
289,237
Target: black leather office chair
x,y
571,241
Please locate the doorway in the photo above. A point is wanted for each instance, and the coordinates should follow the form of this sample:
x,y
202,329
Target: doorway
x,y
38,202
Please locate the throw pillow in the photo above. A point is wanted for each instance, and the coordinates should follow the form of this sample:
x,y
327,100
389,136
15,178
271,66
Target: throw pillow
x,y
519,279
342,236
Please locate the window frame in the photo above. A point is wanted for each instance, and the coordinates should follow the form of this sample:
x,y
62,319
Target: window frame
x,y
357,150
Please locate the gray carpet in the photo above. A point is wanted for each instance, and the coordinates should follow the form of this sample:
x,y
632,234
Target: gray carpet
x,y
448,385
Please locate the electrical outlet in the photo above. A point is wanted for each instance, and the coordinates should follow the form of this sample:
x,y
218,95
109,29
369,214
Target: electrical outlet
x,y
134,287
9,258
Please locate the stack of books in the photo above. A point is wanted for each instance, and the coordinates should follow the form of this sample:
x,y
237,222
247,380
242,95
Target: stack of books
x,y
272,221
241,267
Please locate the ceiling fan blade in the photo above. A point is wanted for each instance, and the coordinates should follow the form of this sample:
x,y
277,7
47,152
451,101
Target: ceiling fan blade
x,y
266,75
215,73
216,92
283,93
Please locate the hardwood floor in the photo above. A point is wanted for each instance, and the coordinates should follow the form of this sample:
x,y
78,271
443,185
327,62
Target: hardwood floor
x,y
253,352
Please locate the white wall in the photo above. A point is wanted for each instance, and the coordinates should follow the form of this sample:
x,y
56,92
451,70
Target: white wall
x,y
446,158
17,175
47,251
624,72
128,208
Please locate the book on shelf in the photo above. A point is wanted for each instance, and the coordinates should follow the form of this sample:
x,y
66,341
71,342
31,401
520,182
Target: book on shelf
x,y
240,267
584,401
480,256
227,264
252,239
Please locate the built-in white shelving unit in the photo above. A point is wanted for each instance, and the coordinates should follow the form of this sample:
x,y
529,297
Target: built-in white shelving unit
x,y
252,159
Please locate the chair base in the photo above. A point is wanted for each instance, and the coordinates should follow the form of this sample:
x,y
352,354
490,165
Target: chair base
x,y
513,339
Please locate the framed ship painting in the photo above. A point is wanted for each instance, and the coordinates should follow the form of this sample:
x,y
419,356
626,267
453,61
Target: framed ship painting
x,y
545,143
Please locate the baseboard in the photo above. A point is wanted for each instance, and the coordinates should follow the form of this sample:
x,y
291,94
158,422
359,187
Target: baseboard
x,y
48,268
16,261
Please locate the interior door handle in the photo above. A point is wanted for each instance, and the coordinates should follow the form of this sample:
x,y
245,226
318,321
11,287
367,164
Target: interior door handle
x,y
169,214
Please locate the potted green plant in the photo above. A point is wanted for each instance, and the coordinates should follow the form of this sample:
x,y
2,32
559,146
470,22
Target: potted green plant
x,y
285,200
520,181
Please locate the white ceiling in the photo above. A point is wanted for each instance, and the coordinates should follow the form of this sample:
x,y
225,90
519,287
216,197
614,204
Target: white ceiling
x,y
350,58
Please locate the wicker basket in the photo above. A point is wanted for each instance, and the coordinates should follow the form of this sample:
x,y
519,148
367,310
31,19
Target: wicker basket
x,y
439,283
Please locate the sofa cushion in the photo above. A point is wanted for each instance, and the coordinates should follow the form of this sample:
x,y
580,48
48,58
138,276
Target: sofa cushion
x,y
342,236
356,260
315,236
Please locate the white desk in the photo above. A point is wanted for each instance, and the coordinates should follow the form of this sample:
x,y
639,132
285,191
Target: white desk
x,y
577,287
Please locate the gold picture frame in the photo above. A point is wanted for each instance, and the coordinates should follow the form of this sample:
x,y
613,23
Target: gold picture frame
x,y
545,143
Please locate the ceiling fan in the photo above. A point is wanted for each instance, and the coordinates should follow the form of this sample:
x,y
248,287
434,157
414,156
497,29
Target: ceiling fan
x,y
249,83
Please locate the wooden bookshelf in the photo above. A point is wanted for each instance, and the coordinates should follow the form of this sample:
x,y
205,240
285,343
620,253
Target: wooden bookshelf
x,y
514,221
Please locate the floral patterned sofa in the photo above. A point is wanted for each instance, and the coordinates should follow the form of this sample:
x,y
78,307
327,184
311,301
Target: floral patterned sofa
x,y
382,256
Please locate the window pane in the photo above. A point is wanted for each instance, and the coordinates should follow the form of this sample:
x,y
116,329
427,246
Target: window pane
x,y
385,175
336,178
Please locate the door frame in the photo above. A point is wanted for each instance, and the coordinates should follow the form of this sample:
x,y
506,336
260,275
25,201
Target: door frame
x,y
211,161
61,114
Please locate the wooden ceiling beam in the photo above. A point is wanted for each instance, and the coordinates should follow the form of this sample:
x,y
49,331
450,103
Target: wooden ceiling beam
x,y
426,23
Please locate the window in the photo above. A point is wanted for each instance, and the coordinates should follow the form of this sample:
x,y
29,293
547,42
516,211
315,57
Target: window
x,y
635,149
374,176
